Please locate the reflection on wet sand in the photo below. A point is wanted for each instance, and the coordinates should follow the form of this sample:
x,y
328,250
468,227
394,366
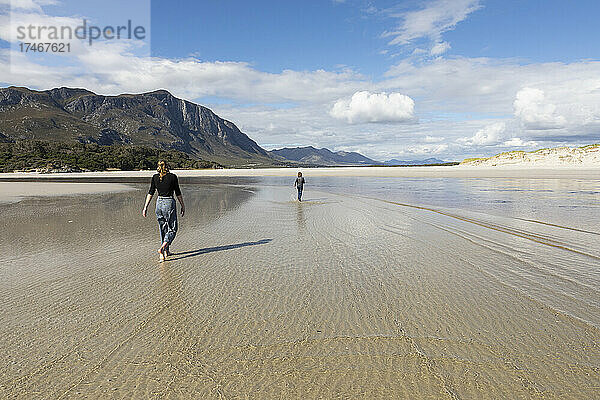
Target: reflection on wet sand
x,y
300,218
71,222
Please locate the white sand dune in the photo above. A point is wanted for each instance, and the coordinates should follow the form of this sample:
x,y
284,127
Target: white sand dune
x,y
586,156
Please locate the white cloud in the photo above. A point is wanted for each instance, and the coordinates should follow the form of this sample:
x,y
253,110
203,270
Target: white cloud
x,y
111,69
374,107
518,142
488,135
433,139
422,150
470,94
534,112
487,86
439,48
35,5
32,16
431,21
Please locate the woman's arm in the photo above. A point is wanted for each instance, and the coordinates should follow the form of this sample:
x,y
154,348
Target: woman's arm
x,y
177,191
180,198
149,196
145,210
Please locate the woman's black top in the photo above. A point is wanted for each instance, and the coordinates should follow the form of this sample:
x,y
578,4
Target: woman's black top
x,y
165,186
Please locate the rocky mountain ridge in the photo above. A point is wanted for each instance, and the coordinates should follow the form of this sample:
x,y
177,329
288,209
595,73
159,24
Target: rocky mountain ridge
x,y
427,161
310,155
156,119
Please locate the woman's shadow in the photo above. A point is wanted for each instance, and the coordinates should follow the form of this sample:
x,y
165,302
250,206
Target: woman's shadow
x,y
193,253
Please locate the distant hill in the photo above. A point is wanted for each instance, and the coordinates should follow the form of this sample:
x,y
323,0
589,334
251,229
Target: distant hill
x,y
156,120
586,156
414,162
325,157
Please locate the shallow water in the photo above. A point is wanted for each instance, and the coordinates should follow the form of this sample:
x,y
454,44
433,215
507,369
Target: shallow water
x,y
372,287
571,202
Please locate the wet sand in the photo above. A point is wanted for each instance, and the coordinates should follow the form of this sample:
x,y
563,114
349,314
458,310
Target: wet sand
x,y
340,296
11,192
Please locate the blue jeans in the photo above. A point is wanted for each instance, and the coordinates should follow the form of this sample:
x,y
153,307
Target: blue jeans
x,y
299,193
166,214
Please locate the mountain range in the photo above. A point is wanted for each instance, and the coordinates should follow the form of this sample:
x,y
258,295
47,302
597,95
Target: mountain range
x,y
427,161
312,156
156,120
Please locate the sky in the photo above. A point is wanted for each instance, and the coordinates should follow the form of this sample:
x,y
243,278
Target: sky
x,y
390,79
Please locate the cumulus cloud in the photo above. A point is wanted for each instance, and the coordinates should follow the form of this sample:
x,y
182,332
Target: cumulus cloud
x,y
431,21
534,112
488,135
374,107
488,86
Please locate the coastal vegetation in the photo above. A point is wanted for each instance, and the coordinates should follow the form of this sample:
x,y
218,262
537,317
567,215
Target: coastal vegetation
x,y
45,156
588,155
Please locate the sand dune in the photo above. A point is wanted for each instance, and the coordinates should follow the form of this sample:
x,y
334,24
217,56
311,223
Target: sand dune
x,y
338,297
586,156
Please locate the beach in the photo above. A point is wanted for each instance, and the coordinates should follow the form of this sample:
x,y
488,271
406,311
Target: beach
x,y
11,192
438,282
459,171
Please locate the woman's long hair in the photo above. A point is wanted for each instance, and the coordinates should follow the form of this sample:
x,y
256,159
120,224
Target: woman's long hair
x,y
162,169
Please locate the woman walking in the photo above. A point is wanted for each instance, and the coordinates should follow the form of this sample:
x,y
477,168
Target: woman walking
x,y
166,209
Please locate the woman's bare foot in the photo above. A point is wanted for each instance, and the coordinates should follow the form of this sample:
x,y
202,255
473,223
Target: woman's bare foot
x,y
163,252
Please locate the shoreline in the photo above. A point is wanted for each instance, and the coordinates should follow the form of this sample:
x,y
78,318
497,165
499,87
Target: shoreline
x,y
15,187
575,172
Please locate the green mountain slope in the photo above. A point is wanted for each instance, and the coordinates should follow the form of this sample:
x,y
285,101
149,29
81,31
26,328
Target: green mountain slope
x,y
155,120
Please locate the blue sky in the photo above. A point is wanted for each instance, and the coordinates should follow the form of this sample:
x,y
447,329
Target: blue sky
x,y
271,35
402,79
276,35
534,30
